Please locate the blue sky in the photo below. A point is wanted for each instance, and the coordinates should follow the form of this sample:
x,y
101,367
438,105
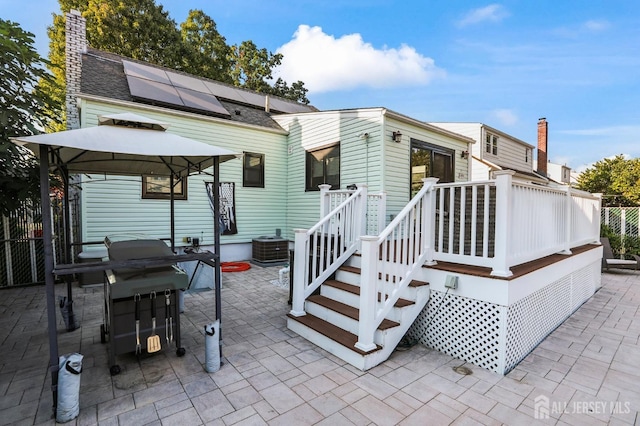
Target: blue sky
x,y
505,64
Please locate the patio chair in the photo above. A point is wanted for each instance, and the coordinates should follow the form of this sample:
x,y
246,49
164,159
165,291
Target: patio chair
x,y
610,261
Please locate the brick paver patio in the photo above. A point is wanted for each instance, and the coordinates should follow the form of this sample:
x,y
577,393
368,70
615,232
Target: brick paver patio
x,y
584,373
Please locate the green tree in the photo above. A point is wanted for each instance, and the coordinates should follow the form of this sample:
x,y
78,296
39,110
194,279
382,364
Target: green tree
x,y
211,56
143,30
23,111
136,29
252,67
618,179
297,91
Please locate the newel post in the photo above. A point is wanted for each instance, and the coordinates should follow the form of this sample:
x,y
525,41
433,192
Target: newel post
x,y
429,220
568,222
361,210
597,208
368,293
504,180
300,274
325,204
382,212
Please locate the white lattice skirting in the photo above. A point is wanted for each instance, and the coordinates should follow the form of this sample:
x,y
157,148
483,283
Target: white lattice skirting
x,y
498,337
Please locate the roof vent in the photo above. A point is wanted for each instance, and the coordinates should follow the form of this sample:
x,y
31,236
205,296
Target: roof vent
x,y
238,112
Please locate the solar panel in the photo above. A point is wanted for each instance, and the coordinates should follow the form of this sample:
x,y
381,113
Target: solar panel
x,y
153,90
288,107
224,91
134,69
147,82
252,98
201,101
187,82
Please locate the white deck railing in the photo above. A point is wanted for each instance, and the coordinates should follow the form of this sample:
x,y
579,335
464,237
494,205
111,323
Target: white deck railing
x,y
496,224
502,223
376,206
320,250
390,260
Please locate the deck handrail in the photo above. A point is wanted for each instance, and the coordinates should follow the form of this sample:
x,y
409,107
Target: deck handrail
x,y
391,259
323,248
502,223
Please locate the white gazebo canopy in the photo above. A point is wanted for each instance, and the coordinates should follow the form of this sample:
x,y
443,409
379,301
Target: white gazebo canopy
x,y
126,144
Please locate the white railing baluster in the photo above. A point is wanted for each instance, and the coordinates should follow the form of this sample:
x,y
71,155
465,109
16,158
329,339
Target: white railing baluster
x,y
463,218
486,219
474,222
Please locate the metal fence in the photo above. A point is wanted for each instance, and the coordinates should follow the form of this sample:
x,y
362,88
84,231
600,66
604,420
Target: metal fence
x,y
21,244
622,220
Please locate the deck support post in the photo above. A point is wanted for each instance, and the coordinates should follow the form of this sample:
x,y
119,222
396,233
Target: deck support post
x,y
361,211
368,294
429,221
300,274
568,222
503,223
325,204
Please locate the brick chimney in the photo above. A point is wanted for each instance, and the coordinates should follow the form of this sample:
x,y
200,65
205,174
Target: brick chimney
x,y
542,146
75,46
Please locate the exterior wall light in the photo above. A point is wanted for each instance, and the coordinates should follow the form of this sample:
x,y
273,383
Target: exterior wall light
x,y
464,154
397,136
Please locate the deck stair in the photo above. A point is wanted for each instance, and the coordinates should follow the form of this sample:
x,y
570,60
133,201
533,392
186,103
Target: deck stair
x,y
331,319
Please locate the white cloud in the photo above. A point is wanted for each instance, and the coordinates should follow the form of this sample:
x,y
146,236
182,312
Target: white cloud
x,y
506,117
326,63
595,25
492,13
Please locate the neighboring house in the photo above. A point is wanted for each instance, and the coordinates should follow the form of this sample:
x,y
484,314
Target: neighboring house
x,y
495,150
512,259
289,149
559,173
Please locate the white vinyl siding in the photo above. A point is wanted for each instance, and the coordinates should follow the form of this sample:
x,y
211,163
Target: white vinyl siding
x,y
116,206
511,152
479,171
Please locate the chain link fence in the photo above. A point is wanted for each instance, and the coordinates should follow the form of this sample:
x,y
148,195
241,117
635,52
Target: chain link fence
x,y
21,243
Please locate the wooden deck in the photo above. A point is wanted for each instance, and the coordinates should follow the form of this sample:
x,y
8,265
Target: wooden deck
x,y
518,270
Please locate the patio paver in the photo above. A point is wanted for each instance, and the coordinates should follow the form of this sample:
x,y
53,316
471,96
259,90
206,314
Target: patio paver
x,y
585,372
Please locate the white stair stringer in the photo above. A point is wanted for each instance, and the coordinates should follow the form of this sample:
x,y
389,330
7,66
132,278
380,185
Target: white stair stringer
x,y
323,321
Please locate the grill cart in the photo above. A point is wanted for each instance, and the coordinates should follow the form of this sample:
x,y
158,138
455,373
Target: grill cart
x,y
141,303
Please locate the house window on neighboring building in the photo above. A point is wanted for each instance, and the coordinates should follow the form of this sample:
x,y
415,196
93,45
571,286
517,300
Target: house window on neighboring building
x,y
429,161
157,187
527,155
491,144
253,170
323,166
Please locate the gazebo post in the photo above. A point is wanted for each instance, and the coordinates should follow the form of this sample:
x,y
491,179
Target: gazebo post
x,y
172,214
71,319
48,271
216,243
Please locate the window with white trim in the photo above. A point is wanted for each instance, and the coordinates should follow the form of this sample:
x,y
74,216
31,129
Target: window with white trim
x,y
491,144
